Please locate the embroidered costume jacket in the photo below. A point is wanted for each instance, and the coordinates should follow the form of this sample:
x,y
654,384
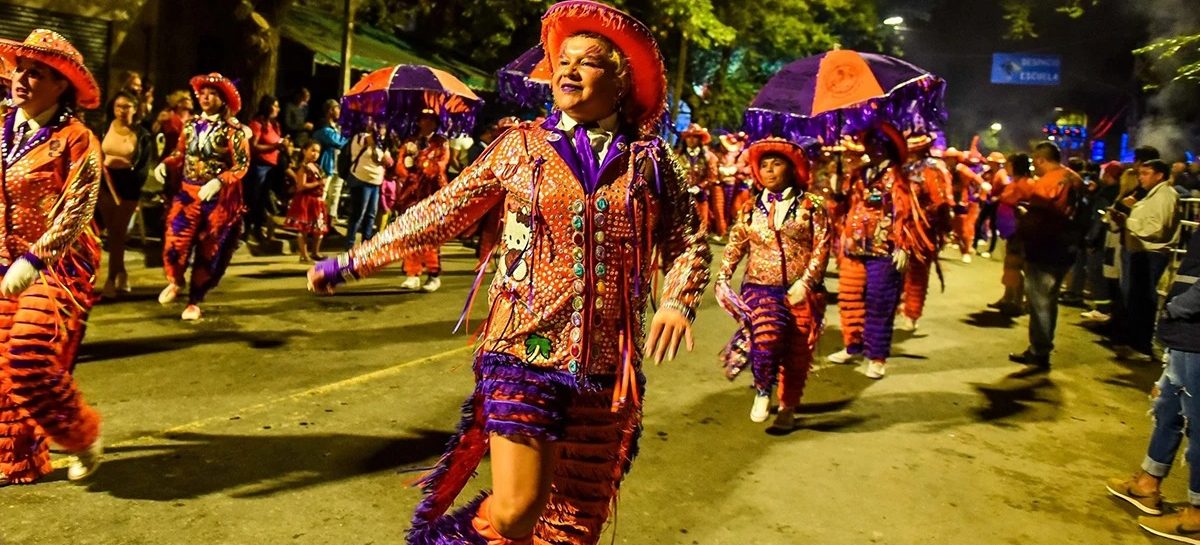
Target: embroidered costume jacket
x,y
884,214
793,245
578,245
701,167
50,186
210,149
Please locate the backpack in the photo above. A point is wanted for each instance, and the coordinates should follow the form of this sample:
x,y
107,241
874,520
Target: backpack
x,y
344,164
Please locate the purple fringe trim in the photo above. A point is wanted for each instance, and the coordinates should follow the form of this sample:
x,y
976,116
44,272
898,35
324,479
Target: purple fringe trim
x,y
453,529
515,86
917,108
400,109
546,394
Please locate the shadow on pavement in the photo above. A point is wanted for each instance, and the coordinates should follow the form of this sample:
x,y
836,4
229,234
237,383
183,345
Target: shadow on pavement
x,y
94,351
1140,374
1027,395
191,465
987,318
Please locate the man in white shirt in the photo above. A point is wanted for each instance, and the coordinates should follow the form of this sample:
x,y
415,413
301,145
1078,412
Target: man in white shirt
x,y
1151,230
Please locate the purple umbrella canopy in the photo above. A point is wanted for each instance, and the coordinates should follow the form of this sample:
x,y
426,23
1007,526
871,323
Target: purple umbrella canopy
x,y
526,80
845,92
397,95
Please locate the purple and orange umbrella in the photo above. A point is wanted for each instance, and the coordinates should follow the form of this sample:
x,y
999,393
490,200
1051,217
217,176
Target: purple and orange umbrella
x,y
844,92
526,80
396,96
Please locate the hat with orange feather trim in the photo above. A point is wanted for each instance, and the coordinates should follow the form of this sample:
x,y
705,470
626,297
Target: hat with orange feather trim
x,y
790,151
223,85
53,50
647,97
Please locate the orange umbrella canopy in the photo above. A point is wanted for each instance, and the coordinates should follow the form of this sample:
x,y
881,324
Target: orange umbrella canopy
x,y
397,96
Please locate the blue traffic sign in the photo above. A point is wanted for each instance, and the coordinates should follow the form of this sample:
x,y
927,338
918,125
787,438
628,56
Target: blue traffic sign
x,y
1023,69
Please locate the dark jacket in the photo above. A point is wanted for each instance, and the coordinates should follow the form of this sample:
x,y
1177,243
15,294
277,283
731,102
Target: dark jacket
x,y
1179,324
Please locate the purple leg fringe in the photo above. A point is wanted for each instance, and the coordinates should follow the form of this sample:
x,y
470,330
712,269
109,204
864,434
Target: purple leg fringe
x,y
882,296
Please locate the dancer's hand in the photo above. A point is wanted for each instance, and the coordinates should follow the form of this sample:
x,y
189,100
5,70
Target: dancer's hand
x,y
797,293
318,282
666,329
210,190
20,275
900,260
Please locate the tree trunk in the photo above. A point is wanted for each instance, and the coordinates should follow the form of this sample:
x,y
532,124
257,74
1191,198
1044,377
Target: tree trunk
x,y
261,56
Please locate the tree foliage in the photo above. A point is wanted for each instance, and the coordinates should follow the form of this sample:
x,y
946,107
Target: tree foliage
x,y
734,48
1182,50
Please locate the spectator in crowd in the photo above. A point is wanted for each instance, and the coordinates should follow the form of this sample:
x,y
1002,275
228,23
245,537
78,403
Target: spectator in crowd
x,y
1012,302
329,135
132,84
169,124
1076,282
265,145
370,160
1102,246
1044,227
295,117
128,149
1182,180
1151,229
1174,414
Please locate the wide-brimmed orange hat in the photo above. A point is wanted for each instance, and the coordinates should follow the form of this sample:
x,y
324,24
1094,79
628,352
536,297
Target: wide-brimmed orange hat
x,y
233,99
50,48
648,95
919,142
732,141
996,157
790,151
696,130
882,132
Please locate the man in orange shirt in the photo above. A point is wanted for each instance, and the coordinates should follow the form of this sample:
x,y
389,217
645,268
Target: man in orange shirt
x,y
1045,211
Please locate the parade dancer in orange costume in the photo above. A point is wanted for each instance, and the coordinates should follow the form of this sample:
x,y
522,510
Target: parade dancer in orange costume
x,y
701,166
967,186
733,176
51,171
885,229
784,237
931,183
205,217
593,205
429,154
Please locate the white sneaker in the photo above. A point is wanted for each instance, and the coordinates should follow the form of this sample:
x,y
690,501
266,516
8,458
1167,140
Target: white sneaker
x,y
4,480
841,356
191,313
985,255
1095,316
876,369
411,283
761,410
86,461
966,258
906,324
432,284
168,294
785,420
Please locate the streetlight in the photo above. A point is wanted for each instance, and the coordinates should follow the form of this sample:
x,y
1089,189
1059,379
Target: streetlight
x,y
894,20
997,127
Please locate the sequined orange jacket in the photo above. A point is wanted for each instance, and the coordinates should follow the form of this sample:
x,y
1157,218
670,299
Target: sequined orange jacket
x,y
50,186
702,168
884,215
575,265
798,249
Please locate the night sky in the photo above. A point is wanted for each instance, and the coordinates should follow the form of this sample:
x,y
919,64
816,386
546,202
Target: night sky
x,y
956,40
